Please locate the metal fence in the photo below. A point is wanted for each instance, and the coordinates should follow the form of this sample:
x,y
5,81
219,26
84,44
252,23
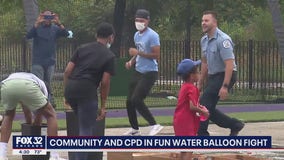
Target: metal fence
x,y
260,69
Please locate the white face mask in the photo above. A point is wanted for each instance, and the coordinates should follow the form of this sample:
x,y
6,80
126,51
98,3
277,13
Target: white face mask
x,y
108,45
140,26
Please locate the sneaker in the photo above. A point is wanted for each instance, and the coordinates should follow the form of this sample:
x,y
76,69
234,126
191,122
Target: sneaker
x,y
57,158
132,132
238,127
3,158
155,129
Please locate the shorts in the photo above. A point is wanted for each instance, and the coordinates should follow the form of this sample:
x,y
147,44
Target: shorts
x,y
22,91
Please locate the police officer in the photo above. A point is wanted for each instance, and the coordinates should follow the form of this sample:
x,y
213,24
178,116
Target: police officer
x,y
218,65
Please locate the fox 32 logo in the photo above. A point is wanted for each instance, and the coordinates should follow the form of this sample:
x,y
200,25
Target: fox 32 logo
x,y
29,142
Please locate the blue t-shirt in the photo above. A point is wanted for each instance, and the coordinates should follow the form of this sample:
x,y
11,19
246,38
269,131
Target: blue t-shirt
x,y
216,50
144,43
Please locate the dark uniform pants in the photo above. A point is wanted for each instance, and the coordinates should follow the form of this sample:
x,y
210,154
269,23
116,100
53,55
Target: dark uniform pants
x,y
210,99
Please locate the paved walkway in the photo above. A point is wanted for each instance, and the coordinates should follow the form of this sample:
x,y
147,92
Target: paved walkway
x,y
169,111
273,129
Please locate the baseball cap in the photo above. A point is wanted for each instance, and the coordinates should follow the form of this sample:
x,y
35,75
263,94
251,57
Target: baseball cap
x,y
186,66
142,13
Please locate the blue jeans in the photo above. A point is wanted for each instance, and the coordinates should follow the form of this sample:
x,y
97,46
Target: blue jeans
x,y
45,73
86,111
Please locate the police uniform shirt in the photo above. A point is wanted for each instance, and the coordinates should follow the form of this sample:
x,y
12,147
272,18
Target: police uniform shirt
x,y
216,50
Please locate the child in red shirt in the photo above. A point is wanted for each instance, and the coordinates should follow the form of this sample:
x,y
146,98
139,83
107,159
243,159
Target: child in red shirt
x,y
188,112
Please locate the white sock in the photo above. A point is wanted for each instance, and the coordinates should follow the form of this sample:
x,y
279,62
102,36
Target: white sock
x,y
3,149
54,154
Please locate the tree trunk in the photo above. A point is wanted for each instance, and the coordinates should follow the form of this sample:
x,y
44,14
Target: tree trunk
x,y
118,21
31,12
277,23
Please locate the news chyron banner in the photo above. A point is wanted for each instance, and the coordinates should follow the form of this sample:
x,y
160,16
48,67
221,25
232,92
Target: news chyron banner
x,y
36,145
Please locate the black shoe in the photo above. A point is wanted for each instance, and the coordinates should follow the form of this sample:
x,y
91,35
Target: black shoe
x,y
206,133
237,128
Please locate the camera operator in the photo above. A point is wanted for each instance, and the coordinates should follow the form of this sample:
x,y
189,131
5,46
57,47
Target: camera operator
x,y
46,30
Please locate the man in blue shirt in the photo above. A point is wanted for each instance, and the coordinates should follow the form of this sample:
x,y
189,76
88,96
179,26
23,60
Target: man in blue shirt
x,y
46,30
145,57
218,64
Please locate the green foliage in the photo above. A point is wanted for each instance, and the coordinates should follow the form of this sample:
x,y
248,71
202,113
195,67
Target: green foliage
x,y
11,19
235,30
260,27
241,19
81,16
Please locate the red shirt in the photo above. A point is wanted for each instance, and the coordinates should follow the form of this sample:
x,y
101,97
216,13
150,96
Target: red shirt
x,y
186,122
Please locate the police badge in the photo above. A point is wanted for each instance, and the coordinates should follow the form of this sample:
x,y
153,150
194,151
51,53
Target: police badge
x,y
226,44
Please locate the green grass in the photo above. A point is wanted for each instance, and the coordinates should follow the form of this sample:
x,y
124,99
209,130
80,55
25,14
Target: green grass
x,y
167,120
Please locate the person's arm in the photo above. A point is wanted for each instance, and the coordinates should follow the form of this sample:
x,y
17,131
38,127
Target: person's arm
x,y
68,70
32,33
155,53
104,88
130,63
199,108
229,67
154,42
109,70
203,74
62,32
227,54
70,66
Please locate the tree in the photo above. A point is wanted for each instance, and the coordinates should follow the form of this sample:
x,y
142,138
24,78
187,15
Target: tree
x,y
31,11
278,24
118,21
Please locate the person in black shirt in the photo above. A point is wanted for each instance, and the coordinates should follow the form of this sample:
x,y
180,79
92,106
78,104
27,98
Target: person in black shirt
x,y
91,67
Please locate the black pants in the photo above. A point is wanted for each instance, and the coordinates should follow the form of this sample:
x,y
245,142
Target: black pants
x,y
210,99
139,87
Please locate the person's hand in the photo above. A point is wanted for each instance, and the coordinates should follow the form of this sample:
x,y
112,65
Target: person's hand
x,y
56,19
66,104
39,20
223,93
133,51
199,85
102,114
204,110
128,65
